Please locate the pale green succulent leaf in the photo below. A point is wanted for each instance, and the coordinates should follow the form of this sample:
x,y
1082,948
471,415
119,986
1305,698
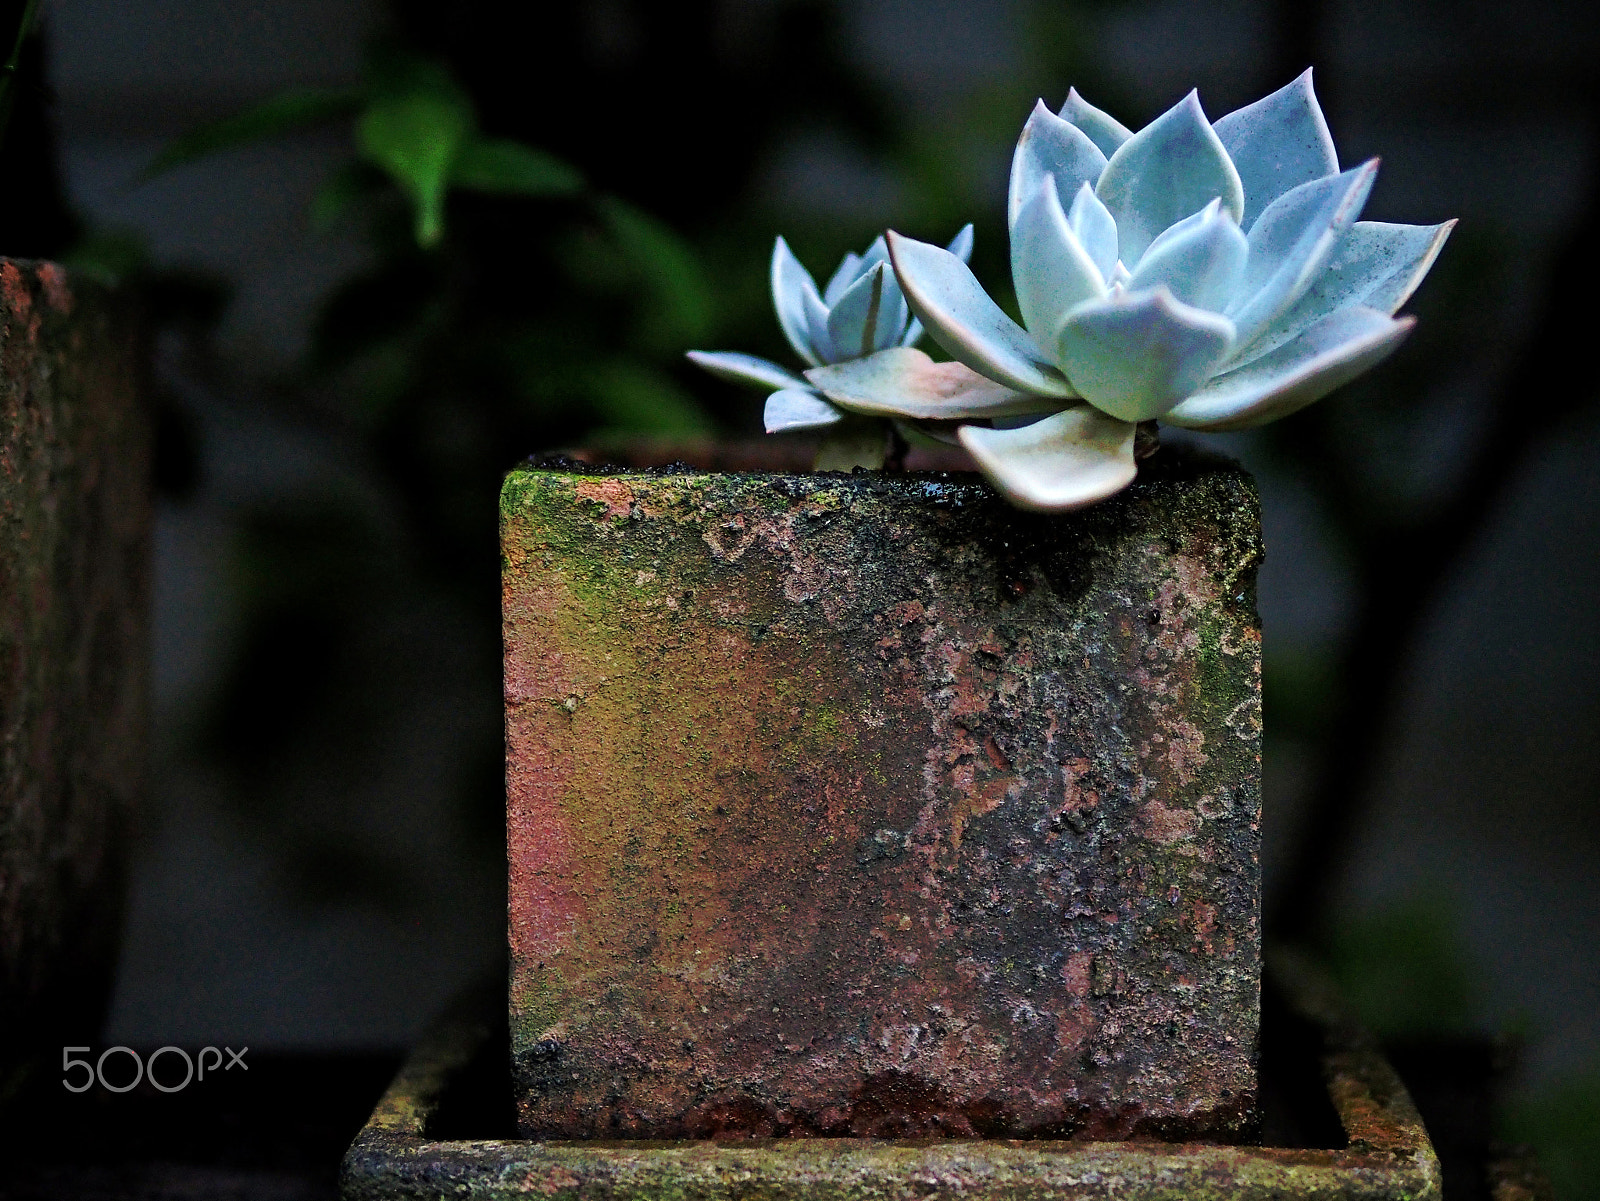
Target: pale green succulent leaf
x,y
739,368
1408,250
948,299
896,316
961,247
817,315
848,271
1050,268
1096,230
1332,352
1136,355
877,253
1291,243
853,322
1200,259
1104,130
791,410
791,283
1376,264
1172,167
1279,142
1074,458
903,382
1050,146
961,244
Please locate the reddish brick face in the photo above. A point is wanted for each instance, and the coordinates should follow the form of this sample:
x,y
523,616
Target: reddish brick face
x,y
869,805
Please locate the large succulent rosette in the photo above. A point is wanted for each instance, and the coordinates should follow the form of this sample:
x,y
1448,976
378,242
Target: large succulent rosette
x,y
1210,275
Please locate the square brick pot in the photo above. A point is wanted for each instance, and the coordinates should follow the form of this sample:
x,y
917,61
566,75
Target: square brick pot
x,y
869,805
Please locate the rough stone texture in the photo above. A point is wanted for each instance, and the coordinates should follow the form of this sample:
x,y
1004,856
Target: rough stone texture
x,y
409,1149
74,528
868,805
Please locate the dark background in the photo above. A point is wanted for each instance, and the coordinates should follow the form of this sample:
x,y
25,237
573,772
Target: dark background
x,y
320,864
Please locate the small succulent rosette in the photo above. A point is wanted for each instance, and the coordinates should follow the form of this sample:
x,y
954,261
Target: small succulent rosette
x,y
860,312
1210,275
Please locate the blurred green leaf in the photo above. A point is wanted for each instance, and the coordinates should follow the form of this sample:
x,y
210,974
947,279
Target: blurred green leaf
x,y
302,108
677,304
341,192
508,168
1562,1124
632,399
1299,687
8,72
110,256
414,133
1404,971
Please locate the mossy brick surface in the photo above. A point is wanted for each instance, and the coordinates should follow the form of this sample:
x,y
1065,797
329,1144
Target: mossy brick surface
x,y
869,805
74,529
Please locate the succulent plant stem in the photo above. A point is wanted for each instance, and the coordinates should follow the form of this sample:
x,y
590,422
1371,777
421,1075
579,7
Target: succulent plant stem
x,y
1146,440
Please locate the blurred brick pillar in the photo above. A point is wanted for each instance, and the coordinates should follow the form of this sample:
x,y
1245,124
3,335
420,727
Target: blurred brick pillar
x,y
74,600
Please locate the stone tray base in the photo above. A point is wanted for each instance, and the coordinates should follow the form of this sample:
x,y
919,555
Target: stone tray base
x,y
1337,1121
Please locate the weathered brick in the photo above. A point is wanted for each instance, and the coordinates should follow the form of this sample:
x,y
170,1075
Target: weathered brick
x,y
74,582
870,805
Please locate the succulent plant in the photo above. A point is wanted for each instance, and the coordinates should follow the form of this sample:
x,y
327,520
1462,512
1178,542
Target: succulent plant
x,y
859,313
1210,275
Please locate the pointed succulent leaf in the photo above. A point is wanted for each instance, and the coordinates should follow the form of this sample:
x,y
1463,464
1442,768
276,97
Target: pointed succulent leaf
x,y
740,368
1279,142
961,244
1172,167
1051,146
1104,130
1051,271
878,252
817,327
901,382
1292,241
949,300
849,268
1095,228
1332,352
893,313
790,285
1135,356
1376,264
1407,251
1072,459
961,247
790,410
1200,259
853,321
